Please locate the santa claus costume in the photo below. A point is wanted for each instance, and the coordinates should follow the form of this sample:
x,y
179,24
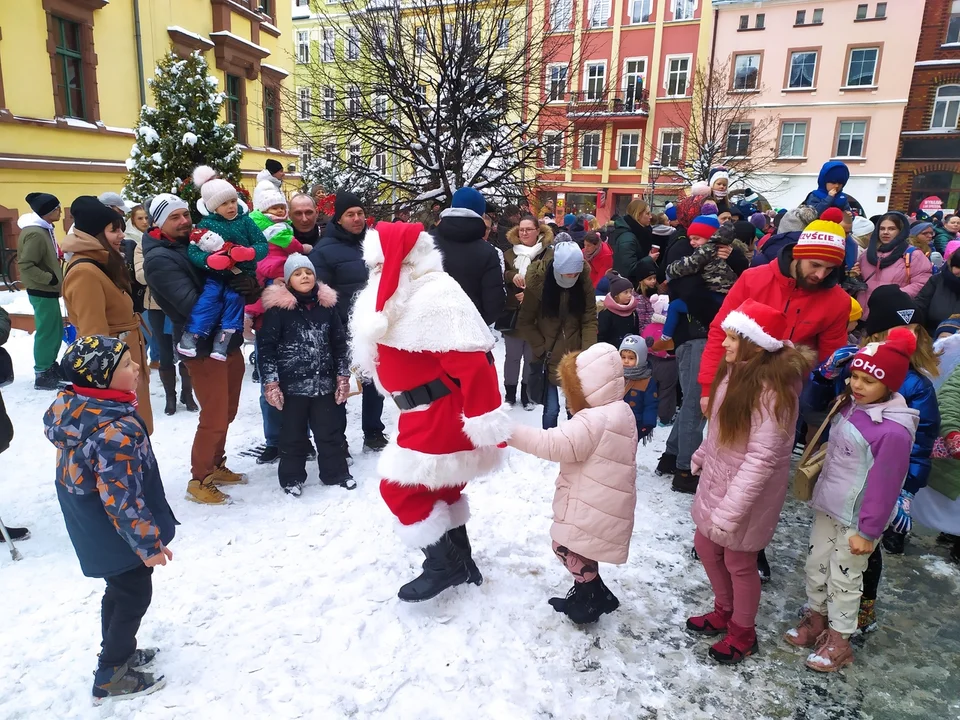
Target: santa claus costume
x,y
418,335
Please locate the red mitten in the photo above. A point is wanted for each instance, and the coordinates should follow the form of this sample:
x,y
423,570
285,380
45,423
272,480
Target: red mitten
x,y
239,253
219,261
952,441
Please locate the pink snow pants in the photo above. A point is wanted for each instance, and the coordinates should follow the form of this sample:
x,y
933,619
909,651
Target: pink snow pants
x,y
734,577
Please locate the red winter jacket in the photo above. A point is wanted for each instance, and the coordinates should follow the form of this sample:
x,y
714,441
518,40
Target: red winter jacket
x,y
815,318
600,263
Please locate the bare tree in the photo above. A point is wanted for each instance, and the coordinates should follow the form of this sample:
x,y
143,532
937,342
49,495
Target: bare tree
x,y
724,126
426,97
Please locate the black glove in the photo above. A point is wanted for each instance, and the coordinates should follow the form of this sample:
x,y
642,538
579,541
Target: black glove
x,y
245,286
645,431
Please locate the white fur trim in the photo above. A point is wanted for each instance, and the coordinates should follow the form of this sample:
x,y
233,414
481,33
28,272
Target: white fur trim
x,y
412,467
459,512
744,325
459,212
427,531
490,428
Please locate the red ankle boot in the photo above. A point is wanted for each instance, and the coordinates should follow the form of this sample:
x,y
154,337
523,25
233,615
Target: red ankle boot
x,y
739,643
713,623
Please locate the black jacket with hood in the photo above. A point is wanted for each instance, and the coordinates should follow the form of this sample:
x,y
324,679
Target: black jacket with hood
x,y
471,261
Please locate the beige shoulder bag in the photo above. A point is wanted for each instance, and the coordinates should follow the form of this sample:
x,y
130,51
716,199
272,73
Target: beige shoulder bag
x,y
811,463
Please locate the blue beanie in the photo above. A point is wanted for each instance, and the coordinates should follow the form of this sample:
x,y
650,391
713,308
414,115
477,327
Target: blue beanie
x,y
470,199
671,213
569,220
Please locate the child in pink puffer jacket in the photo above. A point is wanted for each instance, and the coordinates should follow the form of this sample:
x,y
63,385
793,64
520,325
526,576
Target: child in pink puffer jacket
x,y
596,489
744,468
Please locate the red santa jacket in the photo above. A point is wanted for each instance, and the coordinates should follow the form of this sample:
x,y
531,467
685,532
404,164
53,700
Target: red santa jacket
x,y
429,330
815,318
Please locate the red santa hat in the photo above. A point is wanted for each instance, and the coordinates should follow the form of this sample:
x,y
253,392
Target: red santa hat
x,y
396,242
887,361
759,323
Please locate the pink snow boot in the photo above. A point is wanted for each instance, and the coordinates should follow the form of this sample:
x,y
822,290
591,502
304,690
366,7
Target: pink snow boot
x,y
833,652
713,623
806,633
740,643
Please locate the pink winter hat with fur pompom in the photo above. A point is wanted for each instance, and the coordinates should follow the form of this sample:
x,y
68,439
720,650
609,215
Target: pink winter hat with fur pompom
x,y
214,191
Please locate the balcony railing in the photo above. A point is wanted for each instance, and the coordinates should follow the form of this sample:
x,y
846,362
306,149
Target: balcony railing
x,y
606,103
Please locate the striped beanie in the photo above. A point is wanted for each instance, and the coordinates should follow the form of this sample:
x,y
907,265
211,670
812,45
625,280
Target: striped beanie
x,y
703,226
823,239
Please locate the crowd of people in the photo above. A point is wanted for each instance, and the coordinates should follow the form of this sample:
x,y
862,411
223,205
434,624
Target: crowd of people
x,y
810,328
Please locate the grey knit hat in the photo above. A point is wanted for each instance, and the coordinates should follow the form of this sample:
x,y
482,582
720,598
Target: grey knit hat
x,y
567,258
294,262
636,345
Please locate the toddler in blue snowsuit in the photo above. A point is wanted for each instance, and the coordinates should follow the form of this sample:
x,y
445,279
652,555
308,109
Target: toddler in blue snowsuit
x,y
640,389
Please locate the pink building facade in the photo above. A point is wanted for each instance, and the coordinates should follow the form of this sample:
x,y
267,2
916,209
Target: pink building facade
x,y
625,102
834,76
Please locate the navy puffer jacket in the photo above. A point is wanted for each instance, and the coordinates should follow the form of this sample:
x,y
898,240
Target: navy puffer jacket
x,y
338,259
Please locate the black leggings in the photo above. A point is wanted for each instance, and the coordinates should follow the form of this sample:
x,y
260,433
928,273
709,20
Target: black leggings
x,y
156,318
871,576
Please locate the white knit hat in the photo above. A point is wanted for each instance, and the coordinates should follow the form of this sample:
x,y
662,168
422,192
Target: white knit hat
x,y
294,262
266,195
163,204
214,191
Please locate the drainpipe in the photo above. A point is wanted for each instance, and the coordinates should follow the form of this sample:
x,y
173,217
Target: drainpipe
x,y
139,39
713,44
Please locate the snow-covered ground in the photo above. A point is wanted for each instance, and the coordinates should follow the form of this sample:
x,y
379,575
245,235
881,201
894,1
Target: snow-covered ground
x,y
282,608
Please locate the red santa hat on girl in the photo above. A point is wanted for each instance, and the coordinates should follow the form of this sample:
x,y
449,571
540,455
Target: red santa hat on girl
x,y
759,323
887,361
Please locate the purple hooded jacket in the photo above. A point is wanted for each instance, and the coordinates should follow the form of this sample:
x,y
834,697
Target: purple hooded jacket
x,y
868,456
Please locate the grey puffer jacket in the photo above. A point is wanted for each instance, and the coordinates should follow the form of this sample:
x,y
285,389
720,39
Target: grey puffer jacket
x,y
302,344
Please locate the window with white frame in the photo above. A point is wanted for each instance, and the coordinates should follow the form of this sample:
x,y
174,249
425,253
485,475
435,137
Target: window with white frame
x,y
306,155
380,161
303,46
353,153
634,71
380,102
671,147
850,138
449,36
420,40
738,139
556,83
862,68
862,11
803,69
590,150
953,24
946,107
475,32
594,79
683,9
628,151
598,13
678,75
303,103
380,36
552,149
881,11
746,71
561,14
330,152
329,103
328,44
353,100
503,34
818,15
640,11
421,95
353,44
793,139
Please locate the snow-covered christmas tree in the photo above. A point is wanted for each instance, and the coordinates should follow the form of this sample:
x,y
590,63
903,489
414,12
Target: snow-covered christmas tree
x,y
181,132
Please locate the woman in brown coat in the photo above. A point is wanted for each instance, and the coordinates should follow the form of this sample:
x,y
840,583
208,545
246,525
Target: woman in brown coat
x,y
96,287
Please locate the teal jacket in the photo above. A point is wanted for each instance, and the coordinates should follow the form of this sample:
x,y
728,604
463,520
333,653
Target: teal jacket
x,y
242,230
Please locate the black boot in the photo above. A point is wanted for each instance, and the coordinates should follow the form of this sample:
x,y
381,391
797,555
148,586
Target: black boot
x,y
667,464
458,536
511,394
186,389
442,569
586,602
49,379
525,400
685,482
18,533
168,378
763,567
893,541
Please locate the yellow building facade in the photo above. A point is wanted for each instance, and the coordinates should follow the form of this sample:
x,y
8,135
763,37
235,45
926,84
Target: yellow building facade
x,y
73,77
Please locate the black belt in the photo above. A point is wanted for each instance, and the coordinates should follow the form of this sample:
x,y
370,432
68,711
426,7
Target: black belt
x,y
428,392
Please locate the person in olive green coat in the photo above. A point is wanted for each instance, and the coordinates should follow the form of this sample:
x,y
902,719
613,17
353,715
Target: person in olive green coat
x,y
42,275
558,315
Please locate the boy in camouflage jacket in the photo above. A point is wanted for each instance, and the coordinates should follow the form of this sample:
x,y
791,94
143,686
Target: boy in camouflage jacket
x,y
113,502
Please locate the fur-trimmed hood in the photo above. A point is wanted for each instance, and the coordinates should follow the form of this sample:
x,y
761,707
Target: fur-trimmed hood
x,y
592,377
545,237
428,312
279,295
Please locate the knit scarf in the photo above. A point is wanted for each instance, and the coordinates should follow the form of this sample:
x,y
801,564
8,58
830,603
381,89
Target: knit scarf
x,y
122,396
638,372
896,247
622,310
526,255
590,256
